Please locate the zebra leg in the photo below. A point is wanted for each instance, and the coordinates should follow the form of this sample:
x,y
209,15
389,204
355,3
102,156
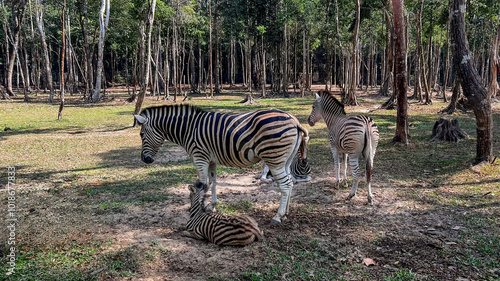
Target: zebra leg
x,y
285,184
370,196
336,164
354,162
265,171
343,166
212,179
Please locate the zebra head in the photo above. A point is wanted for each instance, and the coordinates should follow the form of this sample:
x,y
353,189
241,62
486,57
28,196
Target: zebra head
x,y
325,103
197,195
317,111
152,139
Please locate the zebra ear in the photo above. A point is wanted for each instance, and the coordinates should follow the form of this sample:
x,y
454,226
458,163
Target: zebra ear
x,y
317,96
141,119
192,189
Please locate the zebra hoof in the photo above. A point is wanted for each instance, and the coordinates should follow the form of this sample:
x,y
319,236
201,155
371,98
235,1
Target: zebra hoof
x,y
211,207
370,202
275,222
344,183
350,197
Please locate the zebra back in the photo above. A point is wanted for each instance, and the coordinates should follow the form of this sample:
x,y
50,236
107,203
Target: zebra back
x,y
219,229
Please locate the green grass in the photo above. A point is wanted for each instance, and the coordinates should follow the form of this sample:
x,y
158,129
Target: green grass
x,y
305,259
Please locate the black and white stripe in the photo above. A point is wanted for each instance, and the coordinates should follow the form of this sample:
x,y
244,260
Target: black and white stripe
x,y
299,170
219,229
235,140
352,136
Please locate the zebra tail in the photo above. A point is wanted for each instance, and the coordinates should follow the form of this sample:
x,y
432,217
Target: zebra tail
x,y
368,153
303,143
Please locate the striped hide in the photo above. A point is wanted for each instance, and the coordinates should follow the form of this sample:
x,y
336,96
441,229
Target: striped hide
x,y
235,140
352,136
231,230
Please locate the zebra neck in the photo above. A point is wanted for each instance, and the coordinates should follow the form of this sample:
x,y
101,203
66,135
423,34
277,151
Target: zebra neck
x,y
179,128
331,120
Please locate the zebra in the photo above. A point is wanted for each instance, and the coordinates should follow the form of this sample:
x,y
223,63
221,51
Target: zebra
x,y
219,229
351,136
234,140
299,170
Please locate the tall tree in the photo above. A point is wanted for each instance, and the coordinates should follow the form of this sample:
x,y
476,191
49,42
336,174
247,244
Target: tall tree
x,y
63,51
494,61
45,49
103,25
17,16
351,94
87,52
145,78
400,75
471,83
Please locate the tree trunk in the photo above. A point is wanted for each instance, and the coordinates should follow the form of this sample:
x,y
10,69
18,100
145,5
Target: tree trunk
x,y
471,84
494,63
351,93
447,68
142,94
103,25
18,12
63,55
210,51
304,54
87,60
48,69
400,83
457,93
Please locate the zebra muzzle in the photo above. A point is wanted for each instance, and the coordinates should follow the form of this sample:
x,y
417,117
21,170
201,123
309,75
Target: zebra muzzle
x,y
147,159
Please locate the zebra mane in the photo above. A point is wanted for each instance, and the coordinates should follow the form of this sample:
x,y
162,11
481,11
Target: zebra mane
x,y
174,108
329,96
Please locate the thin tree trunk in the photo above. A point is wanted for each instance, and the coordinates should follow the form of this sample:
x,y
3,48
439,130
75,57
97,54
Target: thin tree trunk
x,y
103,24
471,84
48,69
210,51
400,83
63,51
494,62
18,12
447,68
142,94
304,54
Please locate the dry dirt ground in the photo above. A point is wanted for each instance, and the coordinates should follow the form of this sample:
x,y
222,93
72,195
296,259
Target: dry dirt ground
x,y
398,231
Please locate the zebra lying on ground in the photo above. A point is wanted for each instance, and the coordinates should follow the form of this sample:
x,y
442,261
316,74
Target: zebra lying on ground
x,y
234,140
232,230
351,136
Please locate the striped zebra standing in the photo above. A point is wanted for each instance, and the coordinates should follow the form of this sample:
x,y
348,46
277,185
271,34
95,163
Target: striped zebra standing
x,y
351,136
234,140
231,230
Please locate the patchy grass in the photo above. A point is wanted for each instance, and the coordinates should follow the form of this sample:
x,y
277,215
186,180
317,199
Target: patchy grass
x,y
89,209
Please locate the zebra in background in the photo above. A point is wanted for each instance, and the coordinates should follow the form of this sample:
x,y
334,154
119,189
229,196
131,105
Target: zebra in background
x,y
299,169
351,136
234,140
231,230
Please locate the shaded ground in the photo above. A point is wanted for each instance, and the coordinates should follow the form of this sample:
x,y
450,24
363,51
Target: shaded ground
x,y
100,213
